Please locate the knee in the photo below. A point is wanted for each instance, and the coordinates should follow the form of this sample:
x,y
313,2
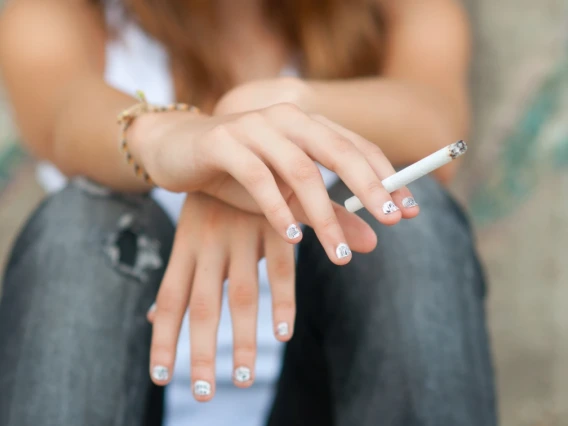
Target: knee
x,y
421,273
85,253
85,220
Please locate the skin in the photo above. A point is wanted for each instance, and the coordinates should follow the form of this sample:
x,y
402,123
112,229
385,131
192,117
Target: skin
x,y
67,115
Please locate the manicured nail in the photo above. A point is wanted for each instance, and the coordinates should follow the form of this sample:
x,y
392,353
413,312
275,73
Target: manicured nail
x,y
409,202
242,374
202,388
160,373
389,207
152,308
342,251
293,232
282,329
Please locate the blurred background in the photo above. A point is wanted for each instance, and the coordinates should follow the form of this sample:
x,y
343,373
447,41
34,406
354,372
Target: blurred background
x,y
513,182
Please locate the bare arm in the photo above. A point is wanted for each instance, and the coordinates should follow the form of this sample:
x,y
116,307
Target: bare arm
x,y
420,103
52,61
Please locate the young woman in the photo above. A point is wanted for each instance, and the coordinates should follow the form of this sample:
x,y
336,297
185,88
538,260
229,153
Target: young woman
x,y
396,336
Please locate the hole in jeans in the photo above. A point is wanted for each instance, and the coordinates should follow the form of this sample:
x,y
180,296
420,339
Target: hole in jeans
x,y
131,251
127,243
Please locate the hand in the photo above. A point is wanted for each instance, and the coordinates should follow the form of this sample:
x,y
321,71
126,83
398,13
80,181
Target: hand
x,y
261,94
266,146
213,241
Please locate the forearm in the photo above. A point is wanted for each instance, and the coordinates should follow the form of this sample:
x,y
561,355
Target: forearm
x,y
85,138
407,121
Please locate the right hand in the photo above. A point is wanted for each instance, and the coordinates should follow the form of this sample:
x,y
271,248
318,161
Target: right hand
x,y
259,149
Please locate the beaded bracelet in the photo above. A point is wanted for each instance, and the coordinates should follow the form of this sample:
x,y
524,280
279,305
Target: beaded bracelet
x,y
127,117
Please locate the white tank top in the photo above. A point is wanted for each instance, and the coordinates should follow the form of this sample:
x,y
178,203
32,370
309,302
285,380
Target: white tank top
x,y
134,61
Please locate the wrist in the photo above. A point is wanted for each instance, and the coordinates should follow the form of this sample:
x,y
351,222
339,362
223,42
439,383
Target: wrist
x,y
153,134
141,137
306,95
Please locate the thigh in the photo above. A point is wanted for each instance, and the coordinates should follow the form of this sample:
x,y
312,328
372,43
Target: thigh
x,y
73,333
398,336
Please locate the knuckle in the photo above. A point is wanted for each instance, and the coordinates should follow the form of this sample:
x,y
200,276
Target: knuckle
x,y
250,119
217,134
257,175
167,303
284,109
375,186
163,351
245,349
242,295
278,209
214,221
373,151
284,305
200,360
282,267
329,223
343,145
319,117
200,310
343,155
305,171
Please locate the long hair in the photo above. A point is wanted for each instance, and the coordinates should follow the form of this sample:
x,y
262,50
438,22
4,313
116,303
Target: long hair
x,y
333,38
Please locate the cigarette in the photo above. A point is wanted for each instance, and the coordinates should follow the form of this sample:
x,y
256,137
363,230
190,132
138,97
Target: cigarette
x,y
415,171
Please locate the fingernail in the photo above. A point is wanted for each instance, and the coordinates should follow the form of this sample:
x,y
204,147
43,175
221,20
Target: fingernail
x,y
282,329
242,374
409,202
293,232
390,207
152,308
342,251
202,388
160,373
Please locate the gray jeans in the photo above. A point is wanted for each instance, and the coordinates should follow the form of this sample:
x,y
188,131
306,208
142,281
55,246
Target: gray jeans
x,y
395,338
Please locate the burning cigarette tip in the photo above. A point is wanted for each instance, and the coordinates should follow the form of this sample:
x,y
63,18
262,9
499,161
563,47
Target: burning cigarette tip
x,y
457,149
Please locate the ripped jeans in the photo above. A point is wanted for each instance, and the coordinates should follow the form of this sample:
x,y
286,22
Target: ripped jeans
x,y
395,338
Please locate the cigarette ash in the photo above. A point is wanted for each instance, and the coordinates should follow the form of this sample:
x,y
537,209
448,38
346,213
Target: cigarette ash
x,y
457,149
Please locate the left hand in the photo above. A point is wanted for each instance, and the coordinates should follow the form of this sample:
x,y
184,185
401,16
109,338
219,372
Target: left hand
x,y
214,241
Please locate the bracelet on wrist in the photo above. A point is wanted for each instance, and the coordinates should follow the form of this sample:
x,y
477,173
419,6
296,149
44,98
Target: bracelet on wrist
x,y
129,115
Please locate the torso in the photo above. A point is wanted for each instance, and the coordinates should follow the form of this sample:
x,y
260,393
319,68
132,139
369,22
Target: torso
x,y
133,61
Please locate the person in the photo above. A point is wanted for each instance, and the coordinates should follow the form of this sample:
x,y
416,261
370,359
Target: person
x,y
296,98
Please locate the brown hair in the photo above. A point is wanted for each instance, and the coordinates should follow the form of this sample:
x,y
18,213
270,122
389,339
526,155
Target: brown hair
x,y
335,39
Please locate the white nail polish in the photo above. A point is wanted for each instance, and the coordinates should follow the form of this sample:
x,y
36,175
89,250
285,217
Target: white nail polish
x,y
152,308
409,202
282,329
160,373
242,374
342,251
390,207
293,232
202,388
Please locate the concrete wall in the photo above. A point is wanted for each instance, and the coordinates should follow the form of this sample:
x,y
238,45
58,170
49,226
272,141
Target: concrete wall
x,y
515,184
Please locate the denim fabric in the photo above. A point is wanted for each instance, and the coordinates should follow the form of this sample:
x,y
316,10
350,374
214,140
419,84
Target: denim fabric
x,y
396,338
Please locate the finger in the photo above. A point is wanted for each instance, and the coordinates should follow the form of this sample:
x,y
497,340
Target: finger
x,y
255,176
299,171
243,302
171,305
337,153
151,314
204,314
280,262
359,235
383,168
